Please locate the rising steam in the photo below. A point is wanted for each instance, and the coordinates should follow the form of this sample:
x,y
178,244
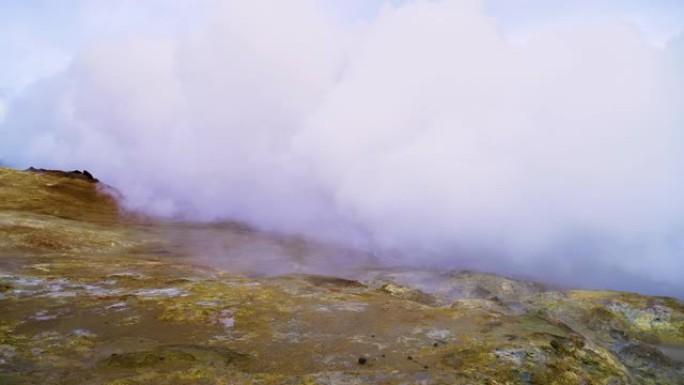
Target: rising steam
x,y
422,134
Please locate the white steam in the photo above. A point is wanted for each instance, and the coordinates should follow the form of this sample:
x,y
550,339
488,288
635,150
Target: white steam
x,y
422,133
3,110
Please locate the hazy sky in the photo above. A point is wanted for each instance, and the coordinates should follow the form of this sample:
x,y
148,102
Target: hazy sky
x,y
535,137
39,37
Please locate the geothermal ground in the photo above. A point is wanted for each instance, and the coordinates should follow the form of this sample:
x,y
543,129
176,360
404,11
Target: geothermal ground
x,y
89,295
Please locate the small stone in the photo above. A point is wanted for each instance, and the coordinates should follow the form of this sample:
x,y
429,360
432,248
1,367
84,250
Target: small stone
x,y
409,358
362,360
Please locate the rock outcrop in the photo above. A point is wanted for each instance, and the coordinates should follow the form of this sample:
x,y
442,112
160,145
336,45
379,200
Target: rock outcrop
x,y
76,174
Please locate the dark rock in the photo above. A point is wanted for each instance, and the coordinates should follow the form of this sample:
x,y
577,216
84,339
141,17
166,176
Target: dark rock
x,y
145,359
325,281
642,355
76,174
452,361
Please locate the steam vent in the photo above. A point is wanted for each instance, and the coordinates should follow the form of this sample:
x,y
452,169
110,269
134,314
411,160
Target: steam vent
x,y
89,295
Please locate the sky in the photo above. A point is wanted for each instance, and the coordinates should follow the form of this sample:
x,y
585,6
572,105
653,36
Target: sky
x,y
540,138
40,37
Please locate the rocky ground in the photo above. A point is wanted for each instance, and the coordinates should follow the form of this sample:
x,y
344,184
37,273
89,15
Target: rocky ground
x,y
91,296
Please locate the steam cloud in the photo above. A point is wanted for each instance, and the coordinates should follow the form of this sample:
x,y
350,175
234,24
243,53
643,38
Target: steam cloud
x,y
422,134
